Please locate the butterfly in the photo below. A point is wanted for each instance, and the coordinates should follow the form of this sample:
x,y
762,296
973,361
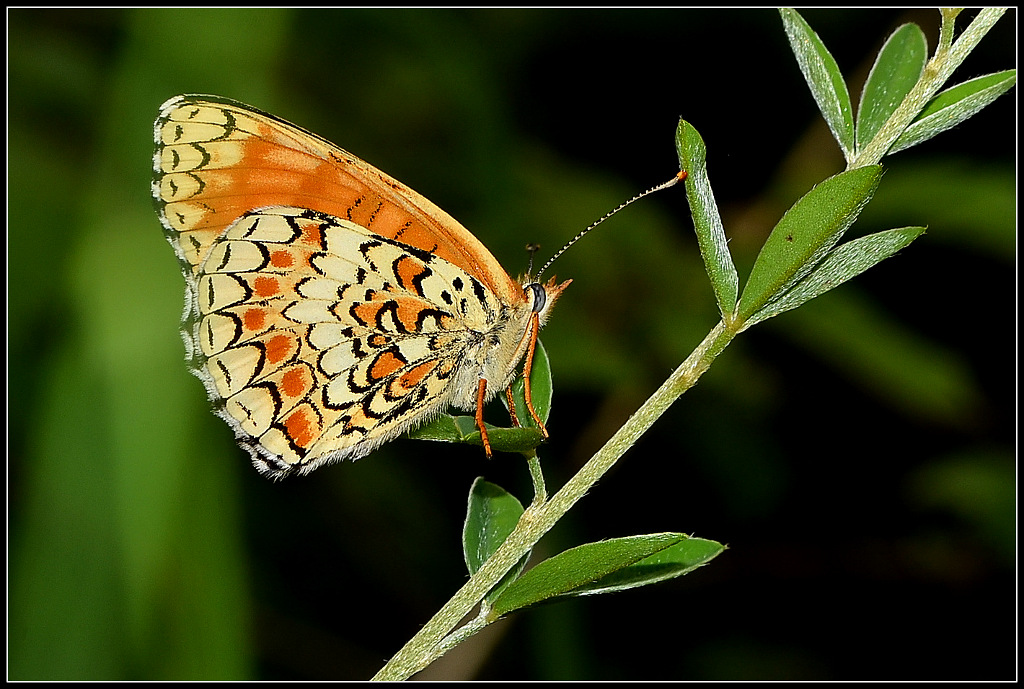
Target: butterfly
x,y
329,308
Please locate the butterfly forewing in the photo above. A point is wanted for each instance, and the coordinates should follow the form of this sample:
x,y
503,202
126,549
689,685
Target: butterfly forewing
x,y
217,159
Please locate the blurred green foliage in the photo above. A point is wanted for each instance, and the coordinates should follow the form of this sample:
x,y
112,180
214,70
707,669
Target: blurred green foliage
x,y
142,546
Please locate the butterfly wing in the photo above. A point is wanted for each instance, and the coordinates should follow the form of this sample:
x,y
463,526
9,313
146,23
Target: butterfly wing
x,y
319,340
328,306
217,159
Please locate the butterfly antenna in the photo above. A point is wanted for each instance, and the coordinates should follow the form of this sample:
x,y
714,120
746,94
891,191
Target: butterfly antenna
x,y
678,178
531,249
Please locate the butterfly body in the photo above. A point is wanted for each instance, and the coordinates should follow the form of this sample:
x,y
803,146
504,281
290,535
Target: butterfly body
x,y
328,308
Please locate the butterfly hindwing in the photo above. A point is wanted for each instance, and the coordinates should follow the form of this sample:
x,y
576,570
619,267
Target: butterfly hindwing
x,y
320,339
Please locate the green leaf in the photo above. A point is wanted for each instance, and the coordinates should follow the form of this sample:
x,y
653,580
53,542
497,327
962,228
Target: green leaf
x,y
805,234
896,71
492,514
953,106
707,221
578,567
540,390
838,266
444,428
823,77
462,429
672,562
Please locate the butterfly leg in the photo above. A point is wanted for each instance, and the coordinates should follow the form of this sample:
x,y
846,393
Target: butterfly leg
x,y
481,391
512,406
527,368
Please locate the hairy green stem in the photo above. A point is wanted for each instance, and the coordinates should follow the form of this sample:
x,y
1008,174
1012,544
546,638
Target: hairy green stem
x,y
430,642
540,491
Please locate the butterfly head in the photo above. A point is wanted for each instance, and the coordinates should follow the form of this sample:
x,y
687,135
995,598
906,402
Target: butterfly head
x,y
543,296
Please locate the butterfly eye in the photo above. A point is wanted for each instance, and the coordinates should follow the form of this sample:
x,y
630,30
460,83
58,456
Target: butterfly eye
x,y
540,297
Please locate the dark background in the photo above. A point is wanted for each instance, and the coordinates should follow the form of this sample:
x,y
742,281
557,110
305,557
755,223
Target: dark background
x,y
857,455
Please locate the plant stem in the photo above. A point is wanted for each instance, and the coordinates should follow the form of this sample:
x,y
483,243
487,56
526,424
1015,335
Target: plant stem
x,y
459,635
540,516
938,70
949,15
540,492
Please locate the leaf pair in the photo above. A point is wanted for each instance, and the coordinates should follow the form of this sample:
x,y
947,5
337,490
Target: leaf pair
x,y
799,260
613,565
895,78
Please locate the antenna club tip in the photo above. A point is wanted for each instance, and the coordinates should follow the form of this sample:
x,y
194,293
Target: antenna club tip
x,y
679,177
